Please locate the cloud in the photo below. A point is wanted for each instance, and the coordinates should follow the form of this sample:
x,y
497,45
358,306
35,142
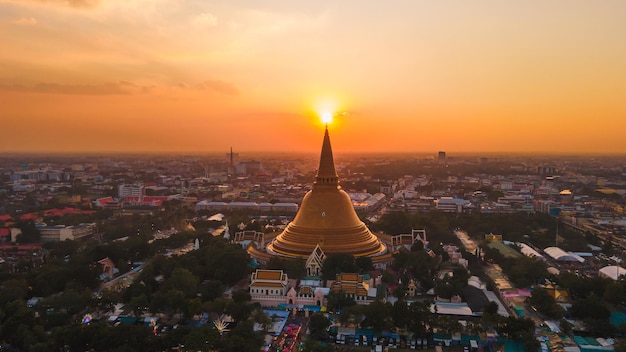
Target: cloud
x,y
220,87
117,88
71,3
204,20
26,21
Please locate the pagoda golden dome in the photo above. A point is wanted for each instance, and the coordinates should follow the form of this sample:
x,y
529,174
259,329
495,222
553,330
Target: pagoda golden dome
x,y
326,217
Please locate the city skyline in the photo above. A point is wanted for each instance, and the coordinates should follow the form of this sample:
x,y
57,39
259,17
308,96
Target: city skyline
x,y
190,76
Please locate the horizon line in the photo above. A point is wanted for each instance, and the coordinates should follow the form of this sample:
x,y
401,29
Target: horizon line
x,y
449,153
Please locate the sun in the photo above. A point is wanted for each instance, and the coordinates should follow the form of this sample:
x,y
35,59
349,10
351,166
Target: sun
x,y
327,117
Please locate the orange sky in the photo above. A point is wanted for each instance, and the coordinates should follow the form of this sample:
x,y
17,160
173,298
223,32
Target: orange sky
x,y
194,75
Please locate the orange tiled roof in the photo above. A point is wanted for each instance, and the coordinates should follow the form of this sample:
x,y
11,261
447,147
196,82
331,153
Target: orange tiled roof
x,y
348,277
266,284
268,275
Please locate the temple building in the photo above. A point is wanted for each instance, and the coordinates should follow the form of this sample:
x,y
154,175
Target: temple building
x,y
326,220
354,286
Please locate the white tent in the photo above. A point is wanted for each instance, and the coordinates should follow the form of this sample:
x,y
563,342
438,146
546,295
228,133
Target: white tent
x,y
612,272
560,255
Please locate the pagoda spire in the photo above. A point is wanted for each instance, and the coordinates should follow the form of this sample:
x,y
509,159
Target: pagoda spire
x,y
326,174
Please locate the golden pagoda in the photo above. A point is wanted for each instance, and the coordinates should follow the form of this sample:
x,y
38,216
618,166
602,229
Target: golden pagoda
x,y
326,217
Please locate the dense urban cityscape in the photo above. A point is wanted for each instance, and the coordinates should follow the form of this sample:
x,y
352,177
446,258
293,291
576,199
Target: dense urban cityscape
x,y
314,176
167,252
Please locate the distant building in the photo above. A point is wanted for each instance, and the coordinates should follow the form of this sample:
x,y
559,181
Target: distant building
x,y
546,170
154,201
58,233
106,202
451,205
39,175
388,188
455,255
132,190
248,167
441,157
282,208
365,201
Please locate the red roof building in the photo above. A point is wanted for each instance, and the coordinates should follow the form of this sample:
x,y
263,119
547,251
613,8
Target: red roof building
x,y
5,233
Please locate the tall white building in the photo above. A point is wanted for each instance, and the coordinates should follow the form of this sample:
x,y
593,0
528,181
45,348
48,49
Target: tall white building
x,y
135,189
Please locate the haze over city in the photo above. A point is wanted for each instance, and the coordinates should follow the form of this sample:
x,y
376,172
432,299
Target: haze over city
x,y
162,75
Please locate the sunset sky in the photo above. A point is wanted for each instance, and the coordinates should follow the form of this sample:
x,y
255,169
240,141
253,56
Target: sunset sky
x,y
197,75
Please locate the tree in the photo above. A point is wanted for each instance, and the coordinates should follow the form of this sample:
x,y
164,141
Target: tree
x,y
211,289
520,329
364,264
261,318
615,292
17,322
106,300
421,318
135,289
176,300
30,233
620,346
394,223
184,281
318,325
546,304
204,338
337,263
240,307
225,262
418,265
138,304
338,300
69,301
294,268
400,313
194,306
377,316
241,296
311,345
591,307
448,324
242,338
594,314
13,289
491,308
526,271
443,288
583,287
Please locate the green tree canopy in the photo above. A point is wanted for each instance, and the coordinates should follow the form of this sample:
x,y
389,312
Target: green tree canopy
x,y
546,304
337,263
30,233
318,325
